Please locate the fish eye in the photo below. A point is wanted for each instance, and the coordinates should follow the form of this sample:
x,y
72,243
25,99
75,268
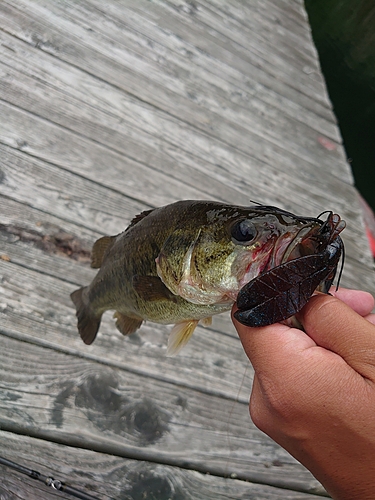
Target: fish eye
x,y
243,232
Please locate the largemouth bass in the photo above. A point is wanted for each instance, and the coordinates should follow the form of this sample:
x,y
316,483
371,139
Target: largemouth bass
x,y
184,262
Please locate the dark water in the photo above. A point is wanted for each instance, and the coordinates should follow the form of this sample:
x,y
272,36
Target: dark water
x,y
344,34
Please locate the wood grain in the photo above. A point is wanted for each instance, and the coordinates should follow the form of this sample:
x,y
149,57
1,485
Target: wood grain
x,y
108,110
109,477
114,411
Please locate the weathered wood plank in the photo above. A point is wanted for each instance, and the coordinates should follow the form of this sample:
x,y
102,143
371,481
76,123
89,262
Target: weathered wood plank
x,y
288,20
86,158
159,14
253,33
40,138
114,411
184,25
66,195
214,32
226,129
110,477
54,105
247,40
143,33
107,110
111,130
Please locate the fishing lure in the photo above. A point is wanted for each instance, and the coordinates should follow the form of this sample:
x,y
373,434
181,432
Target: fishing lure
x,y
281,292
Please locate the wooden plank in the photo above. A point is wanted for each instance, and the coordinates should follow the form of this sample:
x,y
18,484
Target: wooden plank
x,y
159,13
253,32
114,132
109,477
143,32
86,158
66,195
245,62
33,135
260,51
113,411
234,84
109,110
288,20
19,89
210,122
29,133
126,28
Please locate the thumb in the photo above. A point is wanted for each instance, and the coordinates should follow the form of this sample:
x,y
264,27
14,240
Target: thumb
x,y
332,324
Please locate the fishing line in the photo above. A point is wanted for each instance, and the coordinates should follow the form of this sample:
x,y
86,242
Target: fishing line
x,y
55,484
230,416
325,212
341,267
280,211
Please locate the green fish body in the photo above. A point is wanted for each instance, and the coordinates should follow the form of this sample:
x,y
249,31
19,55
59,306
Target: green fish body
x,y
184,262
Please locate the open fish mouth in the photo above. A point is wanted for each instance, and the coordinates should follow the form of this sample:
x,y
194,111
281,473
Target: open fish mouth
x,y
307,242
313,240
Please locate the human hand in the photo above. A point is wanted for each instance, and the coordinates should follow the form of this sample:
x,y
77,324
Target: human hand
x,y
314,392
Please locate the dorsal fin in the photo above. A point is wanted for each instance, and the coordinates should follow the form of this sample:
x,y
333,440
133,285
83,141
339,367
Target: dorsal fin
x,y
101,246
139,217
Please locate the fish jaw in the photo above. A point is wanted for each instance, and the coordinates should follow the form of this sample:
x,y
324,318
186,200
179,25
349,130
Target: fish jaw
x,y
305,242
253,264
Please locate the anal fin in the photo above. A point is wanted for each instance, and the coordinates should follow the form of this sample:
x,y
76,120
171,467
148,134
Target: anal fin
x,y
125,324
180,336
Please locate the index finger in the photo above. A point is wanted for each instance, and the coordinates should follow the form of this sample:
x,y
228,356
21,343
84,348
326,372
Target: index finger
x,y
332,324
360,301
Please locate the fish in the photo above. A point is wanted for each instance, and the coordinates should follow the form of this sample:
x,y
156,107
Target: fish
x,y
187,261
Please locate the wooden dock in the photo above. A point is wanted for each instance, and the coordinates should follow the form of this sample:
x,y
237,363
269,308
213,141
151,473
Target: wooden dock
x,y
107,109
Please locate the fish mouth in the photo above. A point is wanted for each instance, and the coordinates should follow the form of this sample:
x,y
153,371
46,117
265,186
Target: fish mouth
x,y
306,242
289,246
313,239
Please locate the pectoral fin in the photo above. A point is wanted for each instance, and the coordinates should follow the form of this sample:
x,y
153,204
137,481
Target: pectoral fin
x,y
180,335
151,288
125,324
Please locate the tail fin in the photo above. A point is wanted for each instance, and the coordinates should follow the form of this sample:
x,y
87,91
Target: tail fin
x,y
88,323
